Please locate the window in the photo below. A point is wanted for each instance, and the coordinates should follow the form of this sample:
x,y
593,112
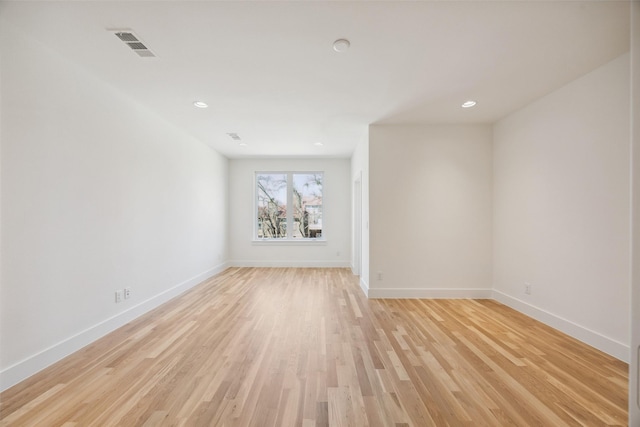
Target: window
x,y
289,205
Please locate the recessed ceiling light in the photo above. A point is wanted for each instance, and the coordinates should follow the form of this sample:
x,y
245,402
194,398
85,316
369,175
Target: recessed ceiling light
x,y
200,104
318,144
469,104
341,45
243,144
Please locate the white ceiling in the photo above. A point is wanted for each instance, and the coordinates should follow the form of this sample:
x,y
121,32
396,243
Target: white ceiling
x,y
268,71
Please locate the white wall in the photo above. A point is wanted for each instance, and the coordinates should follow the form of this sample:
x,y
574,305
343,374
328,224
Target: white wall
x,y
561,208
336,219
360,170
98,194
430,210
634,354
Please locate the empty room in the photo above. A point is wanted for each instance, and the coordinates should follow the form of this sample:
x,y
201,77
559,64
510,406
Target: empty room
x,y
319,213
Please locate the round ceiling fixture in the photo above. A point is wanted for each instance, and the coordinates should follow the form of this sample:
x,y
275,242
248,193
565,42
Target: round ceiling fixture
x,y
200,104
318,144
341,45
468,104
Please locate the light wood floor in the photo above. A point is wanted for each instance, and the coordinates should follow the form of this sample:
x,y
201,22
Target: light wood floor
x,y
304,347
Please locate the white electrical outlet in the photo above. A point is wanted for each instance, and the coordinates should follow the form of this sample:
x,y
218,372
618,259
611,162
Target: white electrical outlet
x,y
119,296
379,275
527,288
127,293
338,253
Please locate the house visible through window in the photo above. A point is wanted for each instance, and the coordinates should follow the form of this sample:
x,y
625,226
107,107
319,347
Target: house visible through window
x,y
289,205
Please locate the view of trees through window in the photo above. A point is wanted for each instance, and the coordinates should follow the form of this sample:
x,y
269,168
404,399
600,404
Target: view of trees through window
x,y
289,205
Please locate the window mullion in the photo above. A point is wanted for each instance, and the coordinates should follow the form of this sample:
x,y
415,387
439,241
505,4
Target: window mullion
x,y
289,205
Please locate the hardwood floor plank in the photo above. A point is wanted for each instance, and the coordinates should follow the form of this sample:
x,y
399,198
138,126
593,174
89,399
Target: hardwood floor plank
x,y
304,347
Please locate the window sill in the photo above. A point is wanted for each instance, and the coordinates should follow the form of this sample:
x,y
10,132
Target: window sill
x,y
289,242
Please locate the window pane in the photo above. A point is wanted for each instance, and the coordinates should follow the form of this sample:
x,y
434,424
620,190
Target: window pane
x,y
272,206
307,205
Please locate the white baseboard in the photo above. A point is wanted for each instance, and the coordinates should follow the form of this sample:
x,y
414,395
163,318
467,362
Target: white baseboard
x,y
31,365
298,264
592,338
429,293
365,287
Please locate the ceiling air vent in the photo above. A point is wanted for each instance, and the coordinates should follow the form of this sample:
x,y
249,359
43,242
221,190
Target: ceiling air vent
x,y
134,42
234,136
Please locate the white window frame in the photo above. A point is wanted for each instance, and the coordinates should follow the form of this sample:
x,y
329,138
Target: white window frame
x,y
289,240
